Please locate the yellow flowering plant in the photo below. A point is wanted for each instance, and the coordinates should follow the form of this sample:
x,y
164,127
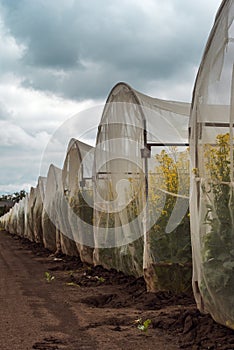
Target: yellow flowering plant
x,y
217,237
171,251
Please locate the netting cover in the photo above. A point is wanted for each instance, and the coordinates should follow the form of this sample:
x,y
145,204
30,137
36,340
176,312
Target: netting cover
x,y
25,214
212,192
56,230
78,192
14,218
21,217
29,228
140,192
38,209
64,237
11,221
51,235
5,220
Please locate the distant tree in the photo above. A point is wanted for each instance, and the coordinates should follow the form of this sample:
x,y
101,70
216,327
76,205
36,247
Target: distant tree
x,y
2,211
14,197
17,196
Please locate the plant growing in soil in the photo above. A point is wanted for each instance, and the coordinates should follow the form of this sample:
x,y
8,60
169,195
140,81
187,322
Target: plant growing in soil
x,y
171,251
143,325
100,279
217,237
73,284
49,277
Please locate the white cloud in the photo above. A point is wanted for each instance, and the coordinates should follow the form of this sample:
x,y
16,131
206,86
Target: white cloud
x,y
35,110
13,187
13,135
28,119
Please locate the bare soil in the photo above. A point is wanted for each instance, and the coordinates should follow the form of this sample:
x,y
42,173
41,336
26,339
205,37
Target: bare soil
x,y
84,307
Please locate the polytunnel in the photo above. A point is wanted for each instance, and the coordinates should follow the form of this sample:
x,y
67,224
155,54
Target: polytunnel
x,y
25,219
21,217
57,235
4,220
141,187
29,217
38,209
212,186
51,235
78,192
11,219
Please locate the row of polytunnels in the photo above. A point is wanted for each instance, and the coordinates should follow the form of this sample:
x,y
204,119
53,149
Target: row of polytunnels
x,y
148,199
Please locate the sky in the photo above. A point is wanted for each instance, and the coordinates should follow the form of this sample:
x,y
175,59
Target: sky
x,y
60,58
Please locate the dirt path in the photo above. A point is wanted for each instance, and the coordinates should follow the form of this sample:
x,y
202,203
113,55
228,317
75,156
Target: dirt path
x,y
90,308
34,313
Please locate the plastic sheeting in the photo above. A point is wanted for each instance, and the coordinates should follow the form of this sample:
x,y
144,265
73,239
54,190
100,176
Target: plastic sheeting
x,y
140,222
212,186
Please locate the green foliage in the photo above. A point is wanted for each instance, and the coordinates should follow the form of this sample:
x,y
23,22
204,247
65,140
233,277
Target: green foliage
x,y
73,284
79,203
171,250
100,279
217,238
49,277
143,325
3,210
12,199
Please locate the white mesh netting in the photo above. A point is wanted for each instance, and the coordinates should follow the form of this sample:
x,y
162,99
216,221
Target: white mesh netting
x,y
211,143
141,189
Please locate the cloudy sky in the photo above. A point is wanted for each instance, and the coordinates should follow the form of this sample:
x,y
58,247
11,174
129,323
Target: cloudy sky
x,y
60,57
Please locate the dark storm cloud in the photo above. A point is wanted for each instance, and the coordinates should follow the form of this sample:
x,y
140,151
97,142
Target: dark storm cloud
x,y
80,49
